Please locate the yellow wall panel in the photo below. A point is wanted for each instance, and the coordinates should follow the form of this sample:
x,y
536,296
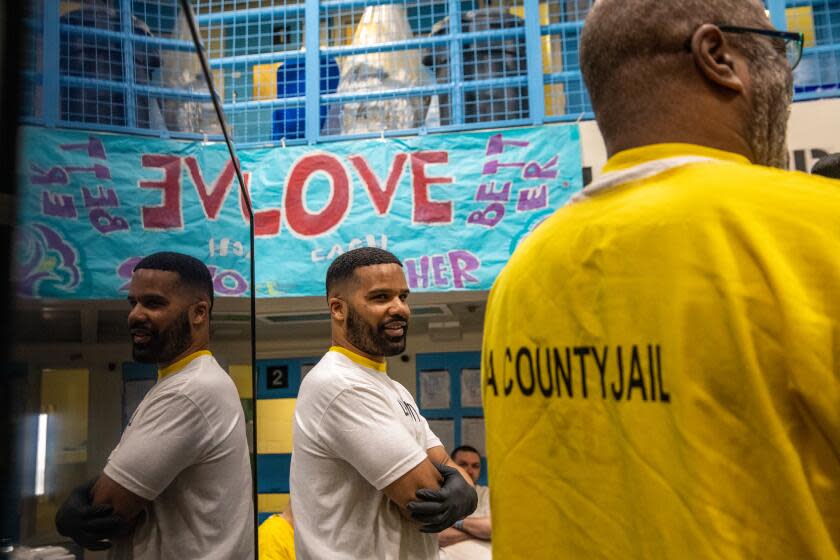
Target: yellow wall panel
x,y
274,425
802,19
64,397
271,503
241,376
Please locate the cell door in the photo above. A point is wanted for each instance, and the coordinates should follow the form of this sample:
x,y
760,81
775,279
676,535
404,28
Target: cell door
x,y
449,397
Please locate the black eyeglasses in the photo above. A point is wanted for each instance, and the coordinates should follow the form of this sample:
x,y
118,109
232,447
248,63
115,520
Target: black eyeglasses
x,y
787,43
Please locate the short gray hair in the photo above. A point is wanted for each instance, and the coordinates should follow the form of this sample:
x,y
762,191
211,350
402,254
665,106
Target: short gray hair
x,y
627,48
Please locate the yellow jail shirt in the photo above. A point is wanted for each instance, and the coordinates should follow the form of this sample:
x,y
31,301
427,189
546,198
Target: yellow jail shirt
x,y
660,367
277,539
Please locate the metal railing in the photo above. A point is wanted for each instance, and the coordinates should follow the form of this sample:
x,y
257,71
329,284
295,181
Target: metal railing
x,y
339,69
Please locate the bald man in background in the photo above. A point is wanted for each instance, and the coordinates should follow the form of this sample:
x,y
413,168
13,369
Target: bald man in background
x,y
660,359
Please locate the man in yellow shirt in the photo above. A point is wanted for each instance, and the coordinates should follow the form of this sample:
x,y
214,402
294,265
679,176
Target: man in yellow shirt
x,y
661,357
277,536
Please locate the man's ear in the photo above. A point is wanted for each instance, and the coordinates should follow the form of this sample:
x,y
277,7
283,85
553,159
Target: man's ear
x,y
338,309
200,312
716,59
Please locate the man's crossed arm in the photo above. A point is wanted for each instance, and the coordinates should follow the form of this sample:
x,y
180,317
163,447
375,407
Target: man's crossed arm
x,y
470,528
435,493
97,511
125,503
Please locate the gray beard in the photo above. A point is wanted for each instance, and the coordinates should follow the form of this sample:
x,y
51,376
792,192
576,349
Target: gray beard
x,y
767,133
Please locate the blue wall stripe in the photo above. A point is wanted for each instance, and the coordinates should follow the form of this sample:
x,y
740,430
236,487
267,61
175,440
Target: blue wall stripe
x,y
273,473
294,371
482,479
135,371
293,368
454,412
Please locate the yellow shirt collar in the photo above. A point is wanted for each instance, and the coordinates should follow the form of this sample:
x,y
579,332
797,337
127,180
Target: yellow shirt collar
x,y
181,364
635,156
361,360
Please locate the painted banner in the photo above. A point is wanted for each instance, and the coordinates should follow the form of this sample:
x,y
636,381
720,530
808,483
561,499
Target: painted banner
x,y
453,207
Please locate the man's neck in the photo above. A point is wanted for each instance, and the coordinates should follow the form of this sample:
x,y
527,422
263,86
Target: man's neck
x,y
338,340
695,120
641,140
191,349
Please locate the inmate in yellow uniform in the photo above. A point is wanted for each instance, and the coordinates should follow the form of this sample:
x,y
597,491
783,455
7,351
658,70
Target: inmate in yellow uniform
x,y
661,367
277,539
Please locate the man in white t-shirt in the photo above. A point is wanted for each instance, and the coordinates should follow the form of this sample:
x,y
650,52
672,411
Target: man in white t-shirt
x,y
369,479
469,538
180,478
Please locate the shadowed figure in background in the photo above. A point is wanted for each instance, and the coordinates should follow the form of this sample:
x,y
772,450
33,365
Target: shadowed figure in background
x,y
469,538
277,536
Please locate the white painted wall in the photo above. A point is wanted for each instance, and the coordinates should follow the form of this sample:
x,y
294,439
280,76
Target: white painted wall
x,y
812,131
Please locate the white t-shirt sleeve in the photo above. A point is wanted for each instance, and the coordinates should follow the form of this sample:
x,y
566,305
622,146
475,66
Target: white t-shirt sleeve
x,y
171,435
361,427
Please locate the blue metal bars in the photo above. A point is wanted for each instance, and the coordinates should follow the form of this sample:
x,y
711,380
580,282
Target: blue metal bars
x,y
124,68
315,70
818,74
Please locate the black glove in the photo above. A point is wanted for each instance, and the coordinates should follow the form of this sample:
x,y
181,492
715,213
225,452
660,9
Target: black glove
x,y
439,509
85,523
